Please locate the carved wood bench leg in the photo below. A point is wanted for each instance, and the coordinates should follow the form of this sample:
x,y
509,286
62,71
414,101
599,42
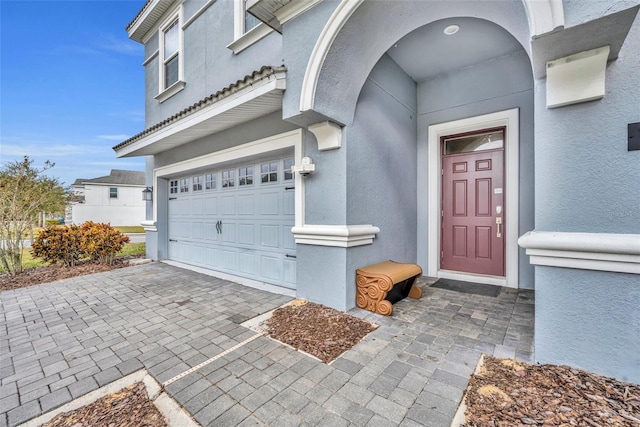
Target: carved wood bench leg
x,y
415,292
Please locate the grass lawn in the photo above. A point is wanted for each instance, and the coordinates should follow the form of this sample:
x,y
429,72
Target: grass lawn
x,y
130,229
129,249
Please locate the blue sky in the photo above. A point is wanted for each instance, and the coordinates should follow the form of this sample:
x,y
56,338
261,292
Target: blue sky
x,y
71,85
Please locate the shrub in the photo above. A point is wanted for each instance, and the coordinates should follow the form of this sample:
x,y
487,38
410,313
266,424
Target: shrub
x,y
59,244
101,242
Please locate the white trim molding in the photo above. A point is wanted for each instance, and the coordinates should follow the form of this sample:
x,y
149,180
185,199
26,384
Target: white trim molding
x,y
149,225
328,135
337,20
170,91
344,236
543,15
258,32
509,119
588,251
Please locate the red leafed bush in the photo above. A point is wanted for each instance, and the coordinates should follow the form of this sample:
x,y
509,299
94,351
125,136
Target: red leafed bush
x,y
59,244
101,242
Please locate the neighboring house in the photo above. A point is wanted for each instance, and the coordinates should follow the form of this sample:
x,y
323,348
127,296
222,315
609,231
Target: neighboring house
x,y
115,199
486,141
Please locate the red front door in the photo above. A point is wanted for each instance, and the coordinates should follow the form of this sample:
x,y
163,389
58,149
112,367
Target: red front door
x,y
473,212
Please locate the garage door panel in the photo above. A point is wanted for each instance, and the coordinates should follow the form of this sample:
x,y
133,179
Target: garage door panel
x,y
229,232
288,207
229,205
211,205
271,267
247,262
269,203
197,207
245,204
289,273
288,240
228,259
269,235
197,230
210,234
246,234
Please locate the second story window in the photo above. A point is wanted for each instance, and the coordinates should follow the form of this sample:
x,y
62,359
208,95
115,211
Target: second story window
x,y
113,192
171,54
170,57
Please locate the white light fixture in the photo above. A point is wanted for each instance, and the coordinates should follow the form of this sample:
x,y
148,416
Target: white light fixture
x,y
147,194
451,30
305,167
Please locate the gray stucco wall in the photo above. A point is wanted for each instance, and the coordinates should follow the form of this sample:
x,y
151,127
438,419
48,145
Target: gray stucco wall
x,y
381,168
589,319
586,180
373,29
208,64
496,85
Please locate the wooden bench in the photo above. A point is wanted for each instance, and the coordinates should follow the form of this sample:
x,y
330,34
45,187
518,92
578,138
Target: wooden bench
x,y
381,285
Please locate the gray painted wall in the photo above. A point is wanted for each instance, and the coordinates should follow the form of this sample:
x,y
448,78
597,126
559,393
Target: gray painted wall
x,y
373,29
496,85
208,64
381,171
589,319
586,180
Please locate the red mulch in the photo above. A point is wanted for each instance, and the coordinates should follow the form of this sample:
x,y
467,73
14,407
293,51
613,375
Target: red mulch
x,y
507,393
318,330
129,407
52,273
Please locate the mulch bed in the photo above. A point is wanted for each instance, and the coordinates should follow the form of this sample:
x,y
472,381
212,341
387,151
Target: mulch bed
x,y
508,393
318,330
51,273
129,407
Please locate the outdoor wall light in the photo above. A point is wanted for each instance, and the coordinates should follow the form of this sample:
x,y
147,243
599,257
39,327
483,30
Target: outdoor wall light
x,y
305,167
147,194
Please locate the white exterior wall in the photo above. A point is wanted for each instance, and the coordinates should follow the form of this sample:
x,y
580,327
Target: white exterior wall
x,y
127,209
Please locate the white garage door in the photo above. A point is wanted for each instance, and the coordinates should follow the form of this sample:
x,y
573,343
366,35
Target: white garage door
x,y
236,220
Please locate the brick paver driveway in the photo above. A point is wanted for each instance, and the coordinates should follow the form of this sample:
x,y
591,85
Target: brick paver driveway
x,y
62,340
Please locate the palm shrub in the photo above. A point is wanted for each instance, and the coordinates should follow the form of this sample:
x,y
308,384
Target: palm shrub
x,y
101,242
59,245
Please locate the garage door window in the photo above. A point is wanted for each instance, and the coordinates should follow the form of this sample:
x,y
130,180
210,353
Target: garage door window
x,y
173,187
288,175
210,181
184,185
229,178
196,183
269,172
245,176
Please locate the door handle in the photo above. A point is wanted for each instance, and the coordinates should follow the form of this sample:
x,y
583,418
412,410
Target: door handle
x,y
220,227
499,226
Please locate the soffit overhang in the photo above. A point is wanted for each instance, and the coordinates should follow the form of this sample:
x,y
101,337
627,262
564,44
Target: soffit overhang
x,y
257,95
609,30
148,16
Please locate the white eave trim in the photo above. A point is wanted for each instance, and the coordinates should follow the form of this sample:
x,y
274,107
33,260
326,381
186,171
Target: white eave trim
x,y
257,33
344,236
589,251
274,84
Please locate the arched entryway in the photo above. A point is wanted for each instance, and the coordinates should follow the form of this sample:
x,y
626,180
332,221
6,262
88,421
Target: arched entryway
x,y
422,78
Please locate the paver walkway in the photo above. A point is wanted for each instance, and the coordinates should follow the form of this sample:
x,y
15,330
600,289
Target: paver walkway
x,y
62,340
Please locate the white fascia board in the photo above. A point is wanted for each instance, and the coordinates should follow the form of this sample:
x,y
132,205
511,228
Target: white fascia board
x,y
590,251
275,84
344,236
293,9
